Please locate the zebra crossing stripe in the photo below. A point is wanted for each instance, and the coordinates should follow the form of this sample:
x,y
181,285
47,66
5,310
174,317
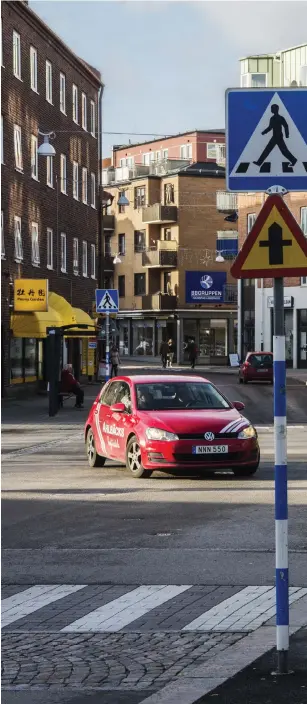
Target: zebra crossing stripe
x,y
26,602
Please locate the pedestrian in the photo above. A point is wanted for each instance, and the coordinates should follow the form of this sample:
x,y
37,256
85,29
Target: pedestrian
x,y
171,353
115,360
70,385
193,352
164,352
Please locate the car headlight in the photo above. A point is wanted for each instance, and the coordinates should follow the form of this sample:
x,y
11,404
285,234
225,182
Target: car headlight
x,y
248,432
159,434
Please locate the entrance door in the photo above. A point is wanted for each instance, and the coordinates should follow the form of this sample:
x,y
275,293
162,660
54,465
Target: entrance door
x,y
302,338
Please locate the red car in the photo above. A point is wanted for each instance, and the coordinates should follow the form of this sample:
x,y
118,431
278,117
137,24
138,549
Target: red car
x,y
169,422
258,366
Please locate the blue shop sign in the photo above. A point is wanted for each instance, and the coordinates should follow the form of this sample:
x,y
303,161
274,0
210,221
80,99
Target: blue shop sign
x,y
205,286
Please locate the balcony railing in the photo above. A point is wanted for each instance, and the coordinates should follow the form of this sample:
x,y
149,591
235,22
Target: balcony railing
x,y
108,222
231,293
159,213
159,301
163,255
226,202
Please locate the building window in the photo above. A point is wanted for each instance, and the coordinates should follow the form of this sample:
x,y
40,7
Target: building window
x,y
83,112
49,81
34,157
2,237
211,150
63,178
146,158
35,244
17,147
33,68
304,281
84,185
63,93
121,286
165,153
186,151
49,248
167,234
75,183
258,80
158,156
84,258
2,141
167,283
18,250
93,119
169,193
16,55
139,241
75,111
304,220
139,284
139,197
121,245
251,219
49,161
63,252
93,190
75,262
107,245
93,261
122,208
128,161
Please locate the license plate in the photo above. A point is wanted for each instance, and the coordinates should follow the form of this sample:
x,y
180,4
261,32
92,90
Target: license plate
x,y
262,370
209,449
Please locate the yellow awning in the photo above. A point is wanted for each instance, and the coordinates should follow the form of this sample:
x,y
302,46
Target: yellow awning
x,y
63,308
34,324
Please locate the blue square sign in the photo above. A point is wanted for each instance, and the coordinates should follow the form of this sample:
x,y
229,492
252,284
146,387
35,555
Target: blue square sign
x,y
106,300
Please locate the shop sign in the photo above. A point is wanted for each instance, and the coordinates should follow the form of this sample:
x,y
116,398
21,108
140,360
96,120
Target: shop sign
x,y
205,286
92,344
30,295
288,301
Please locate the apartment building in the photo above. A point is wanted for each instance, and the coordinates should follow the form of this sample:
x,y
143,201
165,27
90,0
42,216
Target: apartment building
x,y
172,252
50,206
286,68
193,146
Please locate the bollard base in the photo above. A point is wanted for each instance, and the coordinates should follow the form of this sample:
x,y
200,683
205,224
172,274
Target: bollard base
x,y
282,664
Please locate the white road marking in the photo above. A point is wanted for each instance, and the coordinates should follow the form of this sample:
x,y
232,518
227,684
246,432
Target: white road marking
x,y
33,599
120,612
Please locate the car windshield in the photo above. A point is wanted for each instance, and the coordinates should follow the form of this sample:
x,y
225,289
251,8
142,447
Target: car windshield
x,y
179,395
263,360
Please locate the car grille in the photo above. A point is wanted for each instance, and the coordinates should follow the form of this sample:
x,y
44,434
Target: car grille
x,y
210,459
201,436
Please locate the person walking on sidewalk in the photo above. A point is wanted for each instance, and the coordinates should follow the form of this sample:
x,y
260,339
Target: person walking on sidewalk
x,y
70,385
164,352
193,352
115,360
170,353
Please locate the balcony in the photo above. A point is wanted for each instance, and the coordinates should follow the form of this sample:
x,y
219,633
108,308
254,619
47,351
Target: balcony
x,y
158,213
108,222
159,301
226,202
230,294
163,255
227,243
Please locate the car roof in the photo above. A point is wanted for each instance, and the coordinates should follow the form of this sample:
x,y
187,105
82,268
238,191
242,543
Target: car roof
x,y
159,378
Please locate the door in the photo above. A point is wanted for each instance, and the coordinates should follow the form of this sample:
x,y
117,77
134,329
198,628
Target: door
x,y
121,424
102,420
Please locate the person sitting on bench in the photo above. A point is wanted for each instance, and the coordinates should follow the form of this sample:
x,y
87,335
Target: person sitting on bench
x,y
70,385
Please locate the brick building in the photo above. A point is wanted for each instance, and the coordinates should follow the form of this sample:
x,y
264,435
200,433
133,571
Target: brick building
x,y
50,207
193,146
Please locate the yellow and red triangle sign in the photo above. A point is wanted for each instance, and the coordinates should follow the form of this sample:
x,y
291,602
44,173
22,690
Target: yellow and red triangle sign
x,y
275,246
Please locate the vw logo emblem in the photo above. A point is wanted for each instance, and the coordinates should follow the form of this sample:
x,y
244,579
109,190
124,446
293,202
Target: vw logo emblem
x,y
209,436
206,281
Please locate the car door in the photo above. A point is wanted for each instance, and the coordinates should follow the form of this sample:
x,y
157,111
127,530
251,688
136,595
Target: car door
x,y
121,423
102,416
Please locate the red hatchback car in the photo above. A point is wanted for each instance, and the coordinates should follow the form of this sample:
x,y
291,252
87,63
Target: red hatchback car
x,y
258,366
169,422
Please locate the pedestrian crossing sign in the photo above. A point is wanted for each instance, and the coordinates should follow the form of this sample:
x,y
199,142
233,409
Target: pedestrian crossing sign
x,y
266,136
106,300
275,247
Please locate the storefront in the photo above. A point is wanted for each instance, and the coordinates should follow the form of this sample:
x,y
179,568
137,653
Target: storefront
x,y
295,317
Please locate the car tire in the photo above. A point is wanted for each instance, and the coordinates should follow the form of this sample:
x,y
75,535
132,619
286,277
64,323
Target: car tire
x,y
245,471
93,458
245,381
134,460
240,380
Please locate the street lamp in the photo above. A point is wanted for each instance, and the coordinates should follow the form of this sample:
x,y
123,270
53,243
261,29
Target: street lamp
x,y
117,259
123,200
219,258
46,149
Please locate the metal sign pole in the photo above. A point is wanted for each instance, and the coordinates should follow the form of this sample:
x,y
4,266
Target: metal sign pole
x,y
107,346
281,489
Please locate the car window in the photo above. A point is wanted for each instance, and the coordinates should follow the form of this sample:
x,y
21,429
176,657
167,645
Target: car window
x,y
265,360
123,395
179,396
109,393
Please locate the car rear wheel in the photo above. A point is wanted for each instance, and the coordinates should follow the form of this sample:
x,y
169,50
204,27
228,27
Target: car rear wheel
x,y
134,459
93,458
245,471
240,380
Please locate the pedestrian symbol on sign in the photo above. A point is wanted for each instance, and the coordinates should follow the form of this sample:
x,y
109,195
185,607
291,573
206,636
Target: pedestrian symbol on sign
x,y
276,125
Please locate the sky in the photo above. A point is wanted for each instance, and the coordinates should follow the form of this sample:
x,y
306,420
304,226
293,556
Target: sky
x,y
166,65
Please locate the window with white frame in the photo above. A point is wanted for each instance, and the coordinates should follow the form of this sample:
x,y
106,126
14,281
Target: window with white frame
x,y
186,151
63,252
49,161
49,81
211,150
18,250
49,248
304,281
93,118
93,261
83,112
63,93
258,80
75,111
146,159
84,258
304,220
251,219
34,157
165,153
75,256
158,156
63,173
16,55
75,181
128,161
35,244
2,237
17,147
2,141
84,185
93,190
33,68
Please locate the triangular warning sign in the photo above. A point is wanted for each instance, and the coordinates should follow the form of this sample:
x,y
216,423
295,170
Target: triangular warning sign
x,y
276,146
106,303
275,246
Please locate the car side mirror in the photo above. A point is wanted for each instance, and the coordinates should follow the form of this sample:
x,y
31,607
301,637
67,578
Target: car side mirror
x,y
238,405
118,408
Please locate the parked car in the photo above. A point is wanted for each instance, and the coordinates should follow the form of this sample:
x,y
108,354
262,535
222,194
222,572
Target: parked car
x,y
258,366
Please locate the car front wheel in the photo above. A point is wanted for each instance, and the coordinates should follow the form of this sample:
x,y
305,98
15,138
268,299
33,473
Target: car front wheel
x,y
93,458
134,459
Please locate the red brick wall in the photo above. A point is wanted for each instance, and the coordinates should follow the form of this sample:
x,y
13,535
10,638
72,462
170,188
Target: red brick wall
x,y
198,140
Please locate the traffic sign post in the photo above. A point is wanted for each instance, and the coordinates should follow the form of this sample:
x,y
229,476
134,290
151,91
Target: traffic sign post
x,y
106,303
276,247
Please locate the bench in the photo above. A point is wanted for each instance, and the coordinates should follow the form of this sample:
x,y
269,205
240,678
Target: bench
x,y
64,396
